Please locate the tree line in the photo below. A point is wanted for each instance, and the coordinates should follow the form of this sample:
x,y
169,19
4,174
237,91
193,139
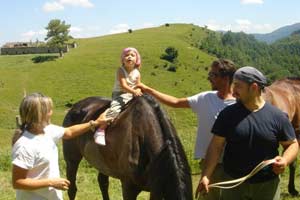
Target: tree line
x,y
276,60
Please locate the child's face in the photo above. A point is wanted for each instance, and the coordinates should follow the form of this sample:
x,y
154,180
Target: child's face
x,y
129,59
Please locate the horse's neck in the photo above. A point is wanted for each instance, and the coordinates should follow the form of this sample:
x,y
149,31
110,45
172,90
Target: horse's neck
x,y
267,95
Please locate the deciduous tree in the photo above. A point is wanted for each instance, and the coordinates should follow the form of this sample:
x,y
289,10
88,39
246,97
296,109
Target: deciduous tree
x,y
58,34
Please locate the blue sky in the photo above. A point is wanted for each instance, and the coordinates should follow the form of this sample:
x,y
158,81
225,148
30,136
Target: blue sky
x,y
25,20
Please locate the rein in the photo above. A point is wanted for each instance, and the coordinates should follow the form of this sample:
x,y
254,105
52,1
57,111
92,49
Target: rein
x,y
236,182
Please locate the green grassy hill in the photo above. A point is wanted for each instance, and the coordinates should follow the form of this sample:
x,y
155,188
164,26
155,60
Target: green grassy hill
x,y
89,70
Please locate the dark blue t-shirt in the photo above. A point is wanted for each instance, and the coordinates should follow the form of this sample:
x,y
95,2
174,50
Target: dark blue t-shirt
x,y
251,137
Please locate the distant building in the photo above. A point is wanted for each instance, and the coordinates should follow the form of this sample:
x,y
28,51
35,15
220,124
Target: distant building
x,y
16,48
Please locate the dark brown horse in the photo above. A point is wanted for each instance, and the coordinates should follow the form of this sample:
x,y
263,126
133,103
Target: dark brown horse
x,y
285,94
142,150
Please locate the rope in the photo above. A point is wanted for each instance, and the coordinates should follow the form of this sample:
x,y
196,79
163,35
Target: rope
x,y
236,182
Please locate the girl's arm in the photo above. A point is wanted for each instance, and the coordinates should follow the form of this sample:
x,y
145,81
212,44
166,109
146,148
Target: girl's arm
x,y
138,81
79,129
123,83
138,91
19,181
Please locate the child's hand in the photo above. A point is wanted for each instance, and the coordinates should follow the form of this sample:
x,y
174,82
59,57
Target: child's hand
x,y
137,92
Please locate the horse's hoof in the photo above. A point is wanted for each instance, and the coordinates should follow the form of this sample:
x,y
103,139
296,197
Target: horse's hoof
x,y
293,192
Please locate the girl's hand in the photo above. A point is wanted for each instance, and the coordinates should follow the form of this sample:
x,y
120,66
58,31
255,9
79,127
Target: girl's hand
x,y
137,92
60,183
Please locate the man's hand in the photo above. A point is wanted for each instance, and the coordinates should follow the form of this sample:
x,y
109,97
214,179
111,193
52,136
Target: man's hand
x,y
202,186
279,165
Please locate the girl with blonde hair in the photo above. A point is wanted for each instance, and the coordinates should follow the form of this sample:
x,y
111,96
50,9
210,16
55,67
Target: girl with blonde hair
x,y
35,170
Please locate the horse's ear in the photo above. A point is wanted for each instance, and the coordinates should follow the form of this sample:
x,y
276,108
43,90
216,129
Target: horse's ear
x,y
18,131
18,121
24,92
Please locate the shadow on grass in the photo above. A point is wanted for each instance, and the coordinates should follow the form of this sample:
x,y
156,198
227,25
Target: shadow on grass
x,y
41,59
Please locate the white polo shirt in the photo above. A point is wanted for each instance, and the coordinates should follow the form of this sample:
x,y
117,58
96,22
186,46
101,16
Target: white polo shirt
x,y
207,106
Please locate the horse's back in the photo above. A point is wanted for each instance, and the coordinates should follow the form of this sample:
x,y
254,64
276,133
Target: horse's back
x,y
285,94
86,109
82,111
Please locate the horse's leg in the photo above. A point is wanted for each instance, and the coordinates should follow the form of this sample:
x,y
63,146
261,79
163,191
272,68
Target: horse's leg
x,y
72,167
291,186
130,191
103,184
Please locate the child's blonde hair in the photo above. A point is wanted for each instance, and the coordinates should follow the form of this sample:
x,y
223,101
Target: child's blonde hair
x,y
137,54
34,110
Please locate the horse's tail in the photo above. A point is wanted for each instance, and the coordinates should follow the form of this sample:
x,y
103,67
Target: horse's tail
x,y
173,156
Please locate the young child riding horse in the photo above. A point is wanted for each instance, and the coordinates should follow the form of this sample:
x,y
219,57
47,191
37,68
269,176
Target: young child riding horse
x,y
127,77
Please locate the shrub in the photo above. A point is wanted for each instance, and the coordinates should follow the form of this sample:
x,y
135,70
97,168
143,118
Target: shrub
x,y
170,54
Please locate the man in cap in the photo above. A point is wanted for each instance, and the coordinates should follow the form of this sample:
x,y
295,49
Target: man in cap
x,y
252,130
207,105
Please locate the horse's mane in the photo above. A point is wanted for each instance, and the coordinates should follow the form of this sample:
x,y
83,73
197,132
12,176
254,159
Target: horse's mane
x,y
176,169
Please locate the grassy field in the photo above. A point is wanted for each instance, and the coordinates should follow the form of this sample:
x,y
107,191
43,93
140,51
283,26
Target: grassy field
x,y
89,70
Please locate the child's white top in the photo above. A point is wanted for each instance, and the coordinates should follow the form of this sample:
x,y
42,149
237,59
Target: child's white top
x,y
131,79
39,155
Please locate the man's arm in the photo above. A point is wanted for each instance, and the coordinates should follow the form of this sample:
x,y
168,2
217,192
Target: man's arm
x,y
290,153
165,98
213,154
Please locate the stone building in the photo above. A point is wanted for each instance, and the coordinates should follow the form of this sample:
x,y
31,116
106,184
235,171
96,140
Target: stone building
x,y
17,48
